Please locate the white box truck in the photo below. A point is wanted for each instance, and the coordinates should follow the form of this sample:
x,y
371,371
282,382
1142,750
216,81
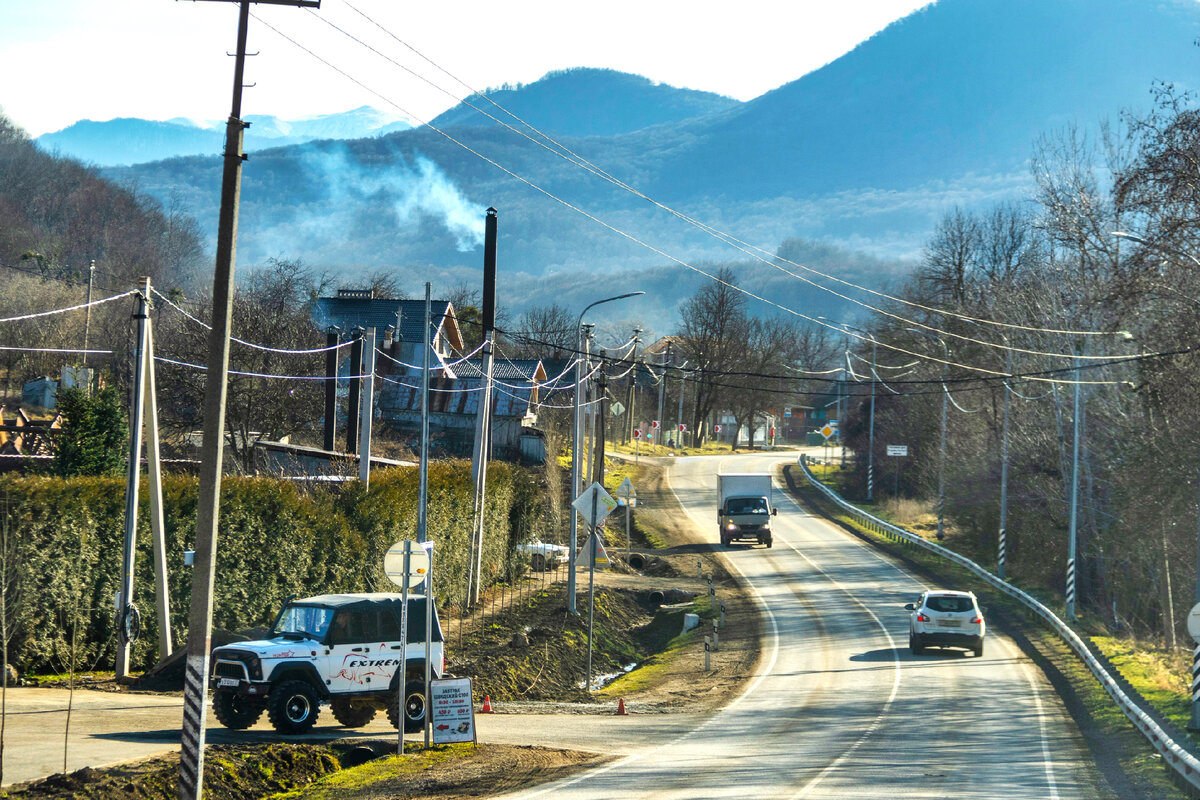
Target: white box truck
x,y
746,509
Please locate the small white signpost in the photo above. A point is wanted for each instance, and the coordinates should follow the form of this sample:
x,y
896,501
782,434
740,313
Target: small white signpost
x,y
452,711
404,561
627,493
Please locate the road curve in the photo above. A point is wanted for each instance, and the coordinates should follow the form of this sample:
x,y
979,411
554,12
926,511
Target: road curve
x,y
839,708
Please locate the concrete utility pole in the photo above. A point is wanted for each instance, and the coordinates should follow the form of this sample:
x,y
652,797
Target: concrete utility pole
x,y
191,761
127,614
332,340
633,374
483,413
662,388
1074,500
354,399
368,407
87,321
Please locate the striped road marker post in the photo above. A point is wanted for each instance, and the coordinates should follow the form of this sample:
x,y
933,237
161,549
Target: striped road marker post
x,y
1193,626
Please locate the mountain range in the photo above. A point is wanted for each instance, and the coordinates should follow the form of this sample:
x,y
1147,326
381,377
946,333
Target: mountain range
x,y
134,141
941,108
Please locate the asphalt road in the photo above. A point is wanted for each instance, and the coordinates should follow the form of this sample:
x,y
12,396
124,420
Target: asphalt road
x,y
839,707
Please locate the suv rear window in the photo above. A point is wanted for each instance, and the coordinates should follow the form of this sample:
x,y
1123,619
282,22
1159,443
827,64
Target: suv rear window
x,y
949,603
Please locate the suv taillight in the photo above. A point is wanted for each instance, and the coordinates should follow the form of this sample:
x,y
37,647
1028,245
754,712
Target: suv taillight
x,y
922,618
975,620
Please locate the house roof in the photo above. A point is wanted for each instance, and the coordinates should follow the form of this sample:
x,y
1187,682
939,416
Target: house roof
x,y
352,308
503,369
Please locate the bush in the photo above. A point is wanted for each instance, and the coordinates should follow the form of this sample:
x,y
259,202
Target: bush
x,y
275,539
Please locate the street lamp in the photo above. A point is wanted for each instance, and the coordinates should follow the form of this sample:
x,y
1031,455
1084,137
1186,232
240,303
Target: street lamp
x,y
576,449
941,531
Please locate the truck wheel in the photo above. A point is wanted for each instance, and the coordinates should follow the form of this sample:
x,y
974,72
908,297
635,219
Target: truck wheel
x,y
770,541
352,713
237,712
293,707
414,707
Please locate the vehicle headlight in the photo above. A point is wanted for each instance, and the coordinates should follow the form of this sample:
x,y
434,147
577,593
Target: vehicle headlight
x,y
731,527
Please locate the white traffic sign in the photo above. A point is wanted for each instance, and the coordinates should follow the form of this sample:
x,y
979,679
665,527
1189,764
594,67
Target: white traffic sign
x,y
637,433
617,409
594,504
654,424
453,715
626,489
897,450
1193,622
828,430
592,554
418,562
716,428
682,427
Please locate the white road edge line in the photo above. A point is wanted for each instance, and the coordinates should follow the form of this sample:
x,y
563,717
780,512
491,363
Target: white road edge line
x,y
1021,659
765,673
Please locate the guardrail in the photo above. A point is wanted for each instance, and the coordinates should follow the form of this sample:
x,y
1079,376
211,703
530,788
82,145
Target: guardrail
x,y
1179,758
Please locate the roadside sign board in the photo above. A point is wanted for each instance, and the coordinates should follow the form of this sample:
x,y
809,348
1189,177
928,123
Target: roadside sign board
x,y
897,450
594,504
787,411
1193,622
418,562
682,427
654,424
626,490
716,428
828,430
637,433
617,409
592,554
453,717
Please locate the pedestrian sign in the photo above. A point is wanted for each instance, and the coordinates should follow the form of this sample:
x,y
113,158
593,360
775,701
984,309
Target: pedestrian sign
x,y
592,554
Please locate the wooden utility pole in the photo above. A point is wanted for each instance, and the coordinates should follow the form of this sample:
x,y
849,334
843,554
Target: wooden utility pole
x,y
191,760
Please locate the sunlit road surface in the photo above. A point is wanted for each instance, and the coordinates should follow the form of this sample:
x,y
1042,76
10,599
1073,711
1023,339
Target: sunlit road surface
x,y
840,709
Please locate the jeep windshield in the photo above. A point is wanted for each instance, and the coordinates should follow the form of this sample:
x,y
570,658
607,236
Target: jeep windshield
x,y
302,622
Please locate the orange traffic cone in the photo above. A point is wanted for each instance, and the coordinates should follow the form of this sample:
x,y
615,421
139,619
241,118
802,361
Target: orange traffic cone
x,y
621,712
487,705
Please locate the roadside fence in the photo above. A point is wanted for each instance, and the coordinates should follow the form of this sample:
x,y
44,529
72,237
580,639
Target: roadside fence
x,y
1181,757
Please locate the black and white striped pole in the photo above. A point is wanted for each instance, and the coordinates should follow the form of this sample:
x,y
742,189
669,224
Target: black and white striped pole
x,y
1074,503
1193,625
1003,547
191,759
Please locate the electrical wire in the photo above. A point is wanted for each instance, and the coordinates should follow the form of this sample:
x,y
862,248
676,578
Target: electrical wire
x,y
751,250
68,309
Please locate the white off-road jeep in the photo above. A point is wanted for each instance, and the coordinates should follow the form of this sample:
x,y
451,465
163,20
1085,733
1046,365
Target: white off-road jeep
x,y
343,649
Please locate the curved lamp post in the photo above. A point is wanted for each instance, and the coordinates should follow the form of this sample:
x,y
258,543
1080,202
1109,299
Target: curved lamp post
x,y
576,447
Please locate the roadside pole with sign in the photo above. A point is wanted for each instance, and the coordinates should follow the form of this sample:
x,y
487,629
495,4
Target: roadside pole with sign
x,y
594,504
403,561
828,430
637,445
627,493
897,451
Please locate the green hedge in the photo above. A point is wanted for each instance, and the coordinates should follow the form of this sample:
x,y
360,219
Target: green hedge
x,y
276,538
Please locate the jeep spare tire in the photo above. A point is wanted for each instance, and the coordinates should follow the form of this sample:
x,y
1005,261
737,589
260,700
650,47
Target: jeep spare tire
x,y
293,707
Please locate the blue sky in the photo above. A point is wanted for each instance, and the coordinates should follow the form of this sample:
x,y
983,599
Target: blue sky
x,y
65,60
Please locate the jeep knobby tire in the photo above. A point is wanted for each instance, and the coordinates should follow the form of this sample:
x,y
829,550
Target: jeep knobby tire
x,y
414,707
293,707
352,713
237,712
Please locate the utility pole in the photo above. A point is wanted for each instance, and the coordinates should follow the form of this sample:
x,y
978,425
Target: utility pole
x,y
601,424
483,418
662,388
1001,555
633,375
368,407
127,614
87,321
332,340
191,761
679,412
353,400
1074,501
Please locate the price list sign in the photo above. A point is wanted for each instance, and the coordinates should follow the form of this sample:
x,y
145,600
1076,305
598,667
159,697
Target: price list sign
x,y
453,717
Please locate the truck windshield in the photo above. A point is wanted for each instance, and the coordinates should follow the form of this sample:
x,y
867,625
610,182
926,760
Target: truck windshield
x,y
747,505
308,621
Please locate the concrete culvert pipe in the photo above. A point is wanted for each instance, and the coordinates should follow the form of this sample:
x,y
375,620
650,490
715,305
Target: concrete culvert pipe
x,y
656,598
637,561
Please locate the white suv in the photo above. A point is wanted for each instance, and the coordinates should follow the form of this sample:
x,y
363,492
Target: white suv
x,y
344,649
940,618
